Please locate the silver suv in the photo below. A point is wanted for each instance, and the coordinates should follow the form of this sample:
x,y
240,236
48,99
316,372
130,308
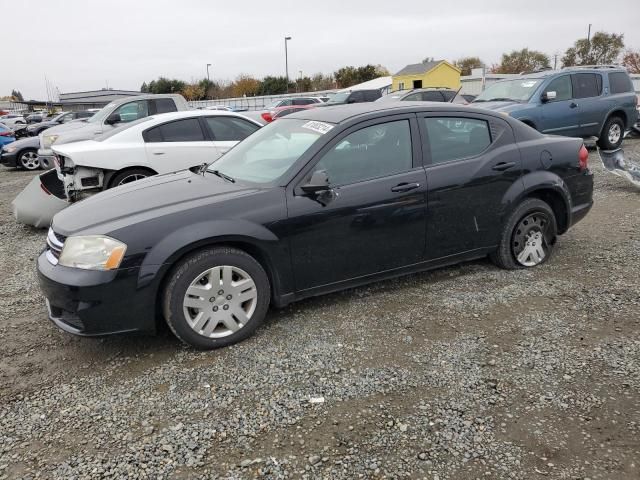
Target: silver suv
x,y
113,115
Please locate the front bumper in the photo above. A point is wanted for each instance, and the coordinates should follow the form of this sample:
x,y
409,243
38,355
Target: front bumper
x,y
8,159
91,303
35,206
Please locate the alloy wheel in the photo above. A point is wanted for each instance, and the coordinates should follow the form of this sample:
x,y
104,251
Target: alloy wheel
x,y
614,133
530,245
220,301
131,178
30,161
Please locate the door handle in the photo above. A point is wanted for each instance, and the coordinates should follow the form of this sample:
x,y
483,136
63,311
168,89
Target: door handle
x,y
503,166
158,153
405,187
573,105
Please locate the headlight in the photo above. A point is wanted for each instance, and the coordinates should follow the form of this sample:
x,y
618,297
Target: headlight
x,y
49,140
10,149
92,252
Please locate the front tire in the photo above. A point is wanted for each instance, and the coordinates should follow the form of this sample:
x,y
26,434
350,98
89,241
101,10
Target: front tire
x,y
612,134
29,160
528,236
216,297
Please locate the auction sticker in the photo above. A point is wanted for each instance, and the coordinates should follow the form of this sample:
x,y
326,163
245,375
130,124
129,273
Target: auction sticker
x,y
319,127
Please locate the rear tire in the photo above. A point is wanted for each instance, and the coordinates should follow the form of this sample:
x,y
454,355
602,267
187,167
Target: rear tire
x,y
128,176
29,160
216,297
528,236
612,134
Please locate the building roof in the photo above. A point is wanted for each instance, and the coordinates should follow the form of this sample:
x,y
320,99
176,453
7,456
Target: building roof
x,y
419,68
375,84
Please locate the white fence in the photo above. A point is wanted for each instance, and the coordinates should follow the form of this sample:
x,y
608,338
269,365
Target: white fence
x,y
257,103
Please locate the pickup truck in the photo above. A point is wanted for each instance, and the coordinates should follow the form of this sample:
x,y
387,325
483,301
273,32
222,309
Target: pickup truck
x,y
113,115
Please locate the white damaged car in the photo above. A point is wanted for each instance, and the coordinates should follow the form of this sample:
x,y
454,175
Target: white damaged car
x,y
152,145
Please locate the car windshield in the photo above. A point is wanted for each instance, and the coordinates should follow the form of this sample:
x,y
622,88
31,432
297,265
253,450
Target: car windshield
x,y
102,114
266,155
519,90
339,98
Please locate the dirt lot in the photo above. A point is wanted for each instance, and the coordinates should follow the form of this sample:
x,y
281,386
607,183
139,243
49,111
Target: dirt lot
x,y
462,373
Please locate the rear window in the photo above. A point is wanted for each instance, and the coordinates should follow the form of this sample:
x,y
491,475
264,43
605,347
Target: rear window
x,y
230,129
187,130
586,85
619,82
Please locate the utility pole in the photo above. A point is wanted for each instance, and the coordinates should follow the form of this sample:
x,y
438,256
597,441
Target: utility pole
x,y
286,61
555,61
208,79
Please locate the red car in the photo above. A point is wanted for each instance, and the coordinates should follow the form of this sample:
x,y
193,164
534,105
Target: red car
x,y
278,112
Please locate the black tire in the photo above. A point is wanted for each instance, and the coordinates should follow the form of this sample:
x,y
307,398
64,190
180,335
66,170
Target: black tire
x,y
188,271
613,128
128,176
540,217
28,160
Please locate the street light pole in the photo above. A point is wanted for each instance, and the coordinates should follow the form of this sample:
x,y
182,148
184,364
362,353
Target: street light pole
x,y
286,61
208,79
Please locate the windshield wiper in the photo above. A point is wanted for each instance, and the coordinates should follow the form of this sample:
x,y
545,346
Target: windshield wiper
x,y
222,175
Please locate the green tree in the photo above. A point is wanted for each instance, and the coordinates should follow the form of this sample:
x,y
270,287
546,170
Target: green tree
x,y
466,64
17,95
245,85
273,85
524,60
603,48
348,76
144,88
164,85
303,84
320,81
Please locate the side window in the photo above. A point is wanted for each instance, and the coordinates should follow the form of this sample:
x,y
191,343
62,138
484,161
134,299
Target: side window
x,y
620,82
152,135
302,101
586,85
356,97
414,97
187,130
165,105
453,138
562,87
230,129
133,111
372,95
66,118
432,96
375,151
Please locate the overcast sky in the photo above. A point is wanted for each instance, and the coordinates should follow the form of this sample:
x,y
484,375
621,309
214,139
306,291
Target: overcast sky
x,y
86,45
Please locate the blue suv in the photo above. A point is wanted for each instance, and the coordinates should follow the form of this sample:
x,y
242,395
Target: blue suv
x,y
577,102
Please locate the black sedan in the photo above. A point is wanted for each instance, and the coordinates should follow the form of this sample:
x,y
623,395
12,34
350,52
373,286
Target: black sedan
x,y
21,154
319,201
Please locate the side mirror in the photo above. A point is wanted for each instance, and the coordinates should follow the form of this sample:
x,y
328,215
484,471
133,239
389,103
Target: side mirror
x,y
548,96
112,119
319,182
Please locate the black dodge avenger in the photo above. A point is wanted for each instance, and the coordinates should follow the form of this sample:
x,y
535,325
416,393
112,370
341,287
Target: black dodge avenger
x,y
319,201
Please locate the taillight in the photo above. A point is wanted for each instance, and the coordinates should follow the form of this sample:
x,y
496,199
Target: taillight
x,y
583,158
44,189
267,117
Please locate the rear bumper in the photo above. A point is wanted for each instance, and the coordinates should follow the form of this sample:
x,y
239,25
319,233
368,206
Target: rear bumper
x,y
582,196
33,206
93,303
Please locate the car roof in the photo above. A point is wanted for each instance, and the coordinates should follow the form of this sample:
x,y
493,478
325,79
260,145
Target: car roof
x,y
578,69
344,113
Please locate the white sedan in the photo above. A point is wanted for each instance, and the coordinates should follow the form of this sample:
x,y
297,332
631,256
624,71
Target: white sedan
x,y
153,145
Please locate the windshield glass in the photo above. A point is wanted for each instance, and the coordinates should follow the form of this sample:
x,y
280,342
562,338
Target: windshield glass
x,y
519,90
101,114
266,155
339,98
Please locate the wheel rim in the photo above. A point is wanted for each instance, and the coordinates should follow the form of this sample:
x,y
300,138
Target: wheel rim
x,y
220,301
132,178
29,160
530,244
615,132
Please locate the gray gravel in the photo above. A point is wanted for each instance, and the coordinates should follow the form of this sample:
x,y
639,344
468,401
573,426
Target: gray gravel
x,y
462,373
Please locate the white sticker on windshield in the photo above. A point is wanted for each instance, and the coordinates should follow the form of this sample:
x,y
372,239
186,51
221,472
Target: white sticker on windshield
x,y
319,127
528,84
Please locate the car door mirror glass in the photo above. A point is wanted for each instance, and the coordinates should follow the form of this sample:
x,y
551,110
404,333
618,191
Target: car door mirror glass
x,y
319,182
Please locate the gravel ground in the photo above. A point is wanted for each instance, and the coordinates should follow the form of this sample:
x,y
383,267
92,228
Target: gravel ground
x,y
461,373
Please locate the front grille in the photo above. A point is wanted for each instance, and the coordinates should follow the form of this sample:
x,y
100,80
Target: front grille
x,y
55,243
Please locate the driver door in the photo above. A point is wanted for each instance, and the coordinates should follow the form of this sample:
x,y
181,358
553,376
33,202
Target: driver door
x,y
373,217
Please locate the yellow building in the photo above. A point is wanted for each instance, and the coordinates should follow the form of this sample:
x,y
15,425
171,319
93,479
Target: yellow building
x,y
438,73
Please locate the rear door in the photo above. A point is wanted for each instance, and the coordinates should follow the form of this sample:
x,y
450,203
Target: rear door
x,y
471,161
587,89
560,115
227,131
177,145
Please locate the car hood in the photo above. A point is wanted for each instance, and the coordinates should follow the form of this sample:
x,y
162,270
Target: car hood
x,y
144,200
74,131
498,106
26,142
